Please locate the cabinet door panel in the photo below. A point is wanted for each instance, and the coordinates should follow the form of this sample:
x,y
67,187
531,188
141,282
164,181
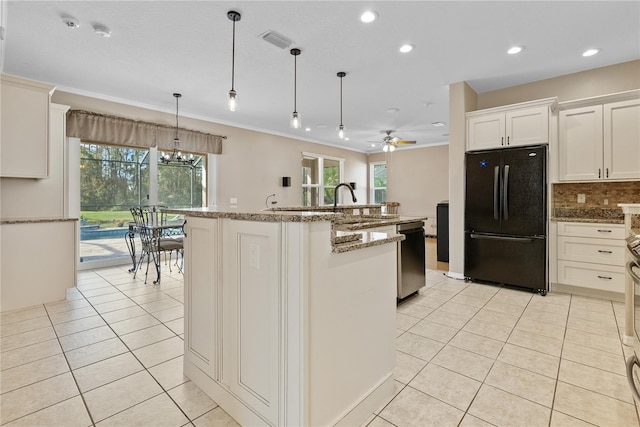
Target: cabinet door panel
x,y
485,132
200,295
527,127
580,143
251,307
622,140
25,130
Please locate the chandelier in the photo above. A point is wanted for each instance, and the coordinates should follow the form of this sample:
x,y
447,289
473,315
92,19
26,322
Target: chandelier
x,y
176,156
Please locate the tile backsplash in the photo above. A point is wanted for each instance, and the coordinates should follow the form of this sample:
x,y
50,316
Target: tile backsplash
x,y
596,194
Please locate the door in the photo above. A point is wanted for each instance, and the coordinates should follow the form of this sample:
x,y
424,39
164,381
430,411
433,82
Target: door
x,y
528,126
482,192
580,144
524,210
622,140
486,131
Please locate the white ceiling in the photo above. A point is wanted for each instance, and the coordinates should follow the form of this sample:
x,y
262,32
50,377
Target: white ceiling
x,y
160,47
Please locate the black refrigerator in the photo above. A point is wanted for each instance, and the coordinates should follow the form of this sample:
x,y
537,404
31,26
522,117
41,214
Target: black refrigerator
x,y
506,217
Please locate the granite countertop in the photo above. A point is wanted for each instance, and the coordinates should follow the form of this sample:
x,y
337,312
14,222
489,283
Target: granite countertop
x,y
592,215
343,238
34,220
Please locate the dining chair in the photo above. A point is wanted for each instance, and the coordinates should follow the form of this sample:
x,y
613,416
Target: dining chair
x,y
156,236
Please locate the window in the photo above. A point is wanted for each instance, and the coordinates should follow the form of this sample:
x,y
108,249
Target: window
x,y
378,182
113,179
319,177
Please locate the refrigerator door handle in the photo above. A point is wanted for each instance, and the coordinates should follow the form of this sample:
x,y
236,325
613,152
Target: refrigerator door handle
x,y
505,193
492,237
496,193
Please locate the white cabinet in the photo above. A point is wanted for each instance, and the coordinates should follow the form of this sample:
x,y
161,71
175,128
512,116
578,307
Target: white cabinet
x,y
201,297
591,256
275,321
250,333
41,198
622,139
509,126
600,142
38,262
24,123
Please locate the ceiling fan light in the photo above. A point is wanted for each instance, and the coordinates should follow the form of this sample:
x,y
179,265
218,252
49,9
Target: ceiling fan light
x,y
392,147
385,148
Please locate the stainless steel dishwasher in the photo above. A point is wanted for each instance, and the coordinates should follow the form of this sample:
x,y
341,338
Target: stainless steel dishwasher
x,y
411,259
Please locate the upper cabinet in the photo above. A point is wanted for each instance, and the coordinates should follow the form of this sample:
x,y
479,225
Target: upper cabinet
x,y
24,123
600,142
509,126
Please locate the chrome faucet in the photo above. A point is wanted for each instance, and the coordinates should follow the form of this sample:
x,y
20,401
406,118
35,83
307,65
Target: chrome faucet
x,y
335,194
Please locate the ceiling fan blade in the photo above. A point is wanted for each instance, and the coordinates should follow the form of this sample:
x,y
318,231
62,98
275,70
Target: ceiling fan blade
x,y
404,142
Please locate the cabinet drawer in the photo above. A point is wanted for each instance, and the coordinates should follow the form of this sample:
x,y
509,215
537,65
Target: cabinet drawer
x,y
583,249
594,276
598,231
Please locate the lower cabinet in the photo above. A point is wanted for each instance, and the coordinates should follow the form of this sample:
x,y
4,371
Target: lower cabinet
x,y
250,309
591,256
201,296
281,331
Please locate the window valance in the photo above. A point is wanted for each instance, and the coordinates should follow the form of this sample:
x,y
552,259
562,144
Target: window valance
x,y
108,129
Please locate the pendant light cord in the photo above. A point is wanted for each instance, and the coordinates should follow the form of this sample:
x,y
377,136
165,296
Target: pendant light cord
x,y
176,140
233,55
341,101
295,83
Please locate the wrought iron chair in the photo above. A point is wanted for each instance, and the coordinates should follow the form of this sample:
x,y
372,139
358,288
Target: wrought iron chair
x,y
153,240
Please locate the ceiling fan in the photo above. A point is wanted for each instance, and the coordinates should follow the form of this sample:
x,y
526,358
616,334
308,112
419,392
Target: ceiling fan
x,y
389,142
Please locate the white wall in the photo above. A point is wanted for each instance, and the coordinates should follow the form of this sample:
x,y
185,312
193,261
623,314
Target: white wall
x,y
417,178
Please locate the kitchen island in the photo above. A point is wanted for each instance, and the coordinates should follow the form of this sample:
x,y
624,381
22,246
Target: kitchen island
x,y
288,322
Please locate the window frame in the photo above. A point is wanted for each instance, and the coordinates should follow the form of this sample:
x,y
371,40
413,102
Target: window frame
x,y
320,186
372,187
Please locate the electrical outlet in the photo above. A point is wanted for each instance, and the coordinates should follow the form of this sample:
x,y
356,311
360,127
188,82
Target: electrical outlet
x,y
582,198
606,201
233,202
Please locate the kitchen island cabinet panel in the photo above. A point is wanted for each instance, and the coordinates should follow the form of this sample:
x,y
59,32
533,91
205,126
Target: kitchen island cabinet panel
x,y
280,329
201,318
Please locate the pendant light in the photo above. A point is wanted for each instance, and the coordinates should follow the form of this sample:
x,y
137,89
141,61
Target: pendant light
x,y
234,17
176,156
341,128
296,119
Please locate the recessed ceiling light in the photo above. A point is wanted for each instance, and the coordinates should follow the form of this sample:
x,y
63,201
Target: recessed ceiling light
x,y
70,22
307,129
346,138
373,145
405,48
515,49
438,124
101,31
368,16
393,110
590,52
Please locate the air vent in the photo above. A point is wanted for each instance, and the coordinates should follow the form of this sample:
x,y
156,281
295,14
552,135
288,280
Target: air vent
x,y
276,39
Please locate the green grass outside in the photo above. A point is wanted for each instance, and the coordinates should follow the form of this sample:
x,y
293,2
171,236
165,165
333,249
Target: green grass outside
x,y
107,219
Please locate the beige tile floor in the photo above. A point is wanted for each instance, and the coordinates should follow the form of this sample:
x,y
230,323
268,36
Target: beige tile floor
x,y
467,355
